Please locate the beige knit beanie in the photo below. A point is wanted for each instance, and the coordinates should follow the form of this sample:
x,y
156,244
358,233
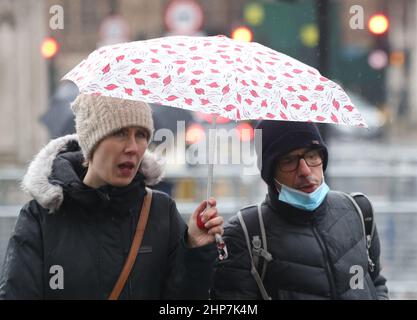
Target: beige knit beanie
x,y
98,116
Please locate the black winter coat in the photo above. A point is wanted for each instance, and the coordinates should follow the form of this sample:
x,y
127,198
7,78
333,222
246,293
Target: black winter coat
x,y
313,253
72,241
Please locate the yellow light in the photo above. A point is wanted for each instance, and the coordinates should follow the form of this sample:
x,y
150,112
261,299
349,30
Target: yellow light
x,y
49,47
254,14
309,35
378,24
242,34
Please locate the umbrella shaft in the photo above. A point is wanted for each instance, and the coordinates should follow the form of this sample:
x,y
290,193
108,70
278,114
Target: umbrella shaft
x,y
212,149
221,246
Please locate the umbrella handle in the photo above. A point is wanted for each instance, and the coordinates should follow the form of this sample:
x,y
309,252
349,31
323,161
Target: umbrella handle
x,y
221,246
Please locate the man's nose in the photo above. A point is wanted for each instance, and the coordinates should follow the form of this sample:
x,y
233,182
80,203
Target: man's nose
x,y
303,168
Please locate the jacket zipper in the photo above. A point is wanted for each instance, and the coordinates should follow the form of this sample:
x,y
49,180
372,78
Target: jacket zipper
x,y
330,275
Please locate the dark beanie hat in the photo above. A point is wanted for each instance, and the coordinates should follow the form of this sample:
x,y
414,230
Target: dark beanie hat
x,y
282,137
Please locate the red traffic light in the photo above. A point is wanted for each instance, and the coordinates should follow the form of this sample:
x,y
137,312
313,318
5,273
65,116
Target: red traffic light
x,y
194,134
245,131
49,48
242,33
378,24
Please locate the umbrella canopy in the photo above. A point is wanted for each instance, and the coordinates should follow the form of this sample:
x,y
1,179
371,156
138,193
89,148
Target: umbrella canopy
x,y
216,75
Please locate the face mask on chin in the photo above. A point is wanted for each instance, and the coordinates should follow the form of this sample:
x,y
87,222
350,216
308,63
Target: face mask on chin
x,y
303,200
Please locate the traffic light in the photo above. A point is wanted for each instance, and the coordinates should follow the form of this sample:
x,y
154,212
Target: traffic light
x,y
242,33
378,25
49,48
378,57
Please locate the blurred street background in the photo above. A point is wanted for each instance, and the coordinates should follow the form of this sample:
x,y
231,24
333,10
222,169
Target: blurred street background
x,y
368,47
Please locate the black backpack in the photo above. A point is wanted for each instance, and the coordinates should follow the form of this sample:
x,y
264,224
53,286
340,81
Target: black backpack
x,y
253,228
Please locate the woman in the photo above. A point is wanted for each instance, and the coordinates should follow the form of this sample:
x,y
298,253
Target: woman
x,y
72,240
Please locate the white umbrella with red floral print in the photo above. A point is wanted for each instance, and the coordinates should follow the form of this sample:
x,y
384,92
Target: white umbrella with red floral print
x,y
216,75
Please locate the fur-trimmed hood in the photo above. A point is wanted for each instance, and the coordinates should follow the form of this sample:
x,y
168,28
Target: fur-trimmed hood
x,y
49,193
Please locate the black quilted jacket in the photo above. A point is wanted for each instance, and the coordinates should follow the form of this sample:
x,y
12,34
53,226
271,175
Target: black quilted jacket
x,y
313,255
88,237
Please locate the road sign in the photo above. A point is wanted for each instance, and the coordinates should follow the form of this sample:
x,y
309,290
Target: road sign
x,y
184,17
114,29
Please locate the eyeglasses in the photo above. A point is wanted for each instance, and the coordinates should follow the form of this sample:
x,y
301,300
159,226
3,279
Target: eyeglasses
x,y
290,163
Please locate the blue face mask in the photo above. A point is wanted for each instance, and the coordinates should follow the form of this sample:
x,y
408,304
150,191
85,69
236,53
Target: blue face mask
x,y
303,200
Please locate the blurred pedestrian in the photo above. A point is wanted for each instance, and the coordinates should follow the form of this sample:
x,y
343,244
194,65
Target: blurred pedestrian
x,y
82,237
304,241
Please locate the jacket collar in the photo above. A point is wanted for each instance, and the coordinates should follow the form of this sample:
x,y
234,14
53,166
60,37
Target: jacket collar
x,y
57,171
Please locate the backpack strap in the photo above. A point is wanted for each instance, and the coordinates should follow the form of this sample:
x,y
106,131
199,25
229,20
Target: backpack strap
x,y
368,215
365,211
263,252
257,248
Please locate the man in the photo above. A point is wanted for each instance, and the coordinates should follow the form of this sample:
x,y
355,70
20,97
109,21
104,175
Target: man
x,y
315,237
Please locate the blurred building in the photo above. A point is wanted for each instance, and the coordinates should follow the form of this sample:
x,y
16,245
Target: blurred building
x,y
26,78
398,78
144,19
23,79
